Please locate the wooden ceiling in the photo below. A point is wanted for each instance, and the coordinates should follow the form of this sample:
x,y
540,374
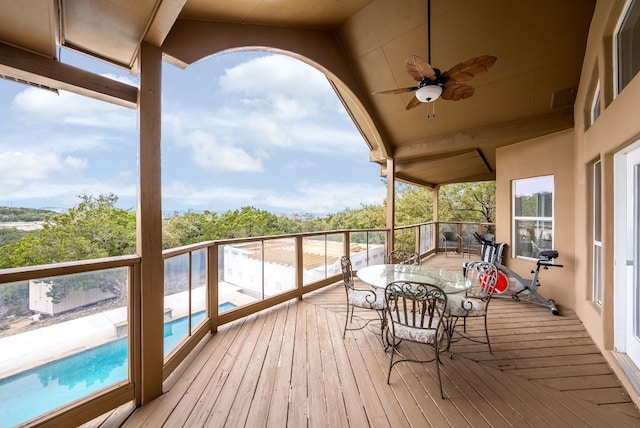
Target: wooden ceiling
x,y
529,92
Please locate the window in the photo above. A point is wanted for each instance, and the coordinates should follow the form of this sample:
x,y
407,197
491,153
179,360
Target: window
x,y
597,240
628,45
595,105
532,216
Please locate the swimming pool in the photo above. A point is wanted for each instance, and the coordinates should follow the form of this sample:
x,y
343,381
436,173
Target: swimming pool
x,y
44,388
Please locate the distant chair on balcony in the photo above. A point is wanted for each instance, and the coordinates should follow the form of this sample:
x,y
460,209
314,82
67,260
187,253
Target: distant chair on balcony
x,y
474,245
363,298
403,257
451,241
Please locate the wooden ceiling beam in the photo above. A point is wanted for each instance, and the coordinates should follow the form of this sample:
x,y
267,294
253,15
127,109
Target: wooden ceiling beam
x,y
22,65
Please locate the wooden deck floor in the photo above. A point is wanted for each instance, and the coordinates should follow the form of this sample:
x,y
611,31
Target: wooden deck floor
x,y
290,367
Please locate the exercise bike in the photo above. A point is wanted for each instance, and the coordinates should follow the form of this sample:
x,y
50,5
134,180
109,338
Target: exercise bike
x,y
523,286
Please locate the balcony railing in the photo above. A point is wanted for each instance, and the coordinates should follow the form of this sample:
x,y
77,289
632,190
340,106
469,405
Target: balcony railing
x,y
85,334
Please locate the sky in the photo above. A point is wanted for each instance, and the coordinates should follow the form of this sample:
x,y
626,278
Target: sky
x,y
238,129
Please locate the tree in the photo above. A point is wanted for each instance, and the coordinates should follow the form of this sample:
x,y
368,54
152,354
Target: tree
x,y
413,205
11,235
367,217
472,202
188,228
93,229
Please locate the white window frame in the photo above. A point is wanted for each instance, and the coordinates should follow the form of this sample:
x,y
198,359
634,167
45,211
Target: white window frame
x,y
616,48
595,104
516,246
597,234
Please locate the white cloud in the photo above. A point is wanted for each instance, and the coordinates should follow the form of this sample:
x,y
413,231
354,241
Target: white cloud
x,y
65,194
72,109
271,110
327,197
269,102
316,138
306,197
276,78
208,152
281,74
299,164
20,167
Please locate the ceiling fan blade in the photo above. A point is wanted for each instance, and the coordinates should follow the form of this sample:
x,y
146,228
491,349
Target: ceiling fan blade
x,y
470,68
418,68
396,91
457,92
414,102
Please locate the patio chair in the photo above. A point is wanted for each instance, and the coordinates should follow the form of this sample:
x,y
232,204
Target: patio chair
x,y
474,244
414,313
403,257
451,240
475,302
364,298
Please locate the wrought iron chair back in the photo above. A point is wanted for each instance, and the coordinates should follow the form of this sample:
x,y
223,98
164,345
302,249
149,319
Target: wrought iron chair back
x,y
364,298
483,277
415,312
404,257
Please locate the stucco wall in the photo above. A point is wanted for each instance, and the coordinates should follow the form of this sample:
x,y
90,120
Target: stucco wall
x,y
550,155
616,127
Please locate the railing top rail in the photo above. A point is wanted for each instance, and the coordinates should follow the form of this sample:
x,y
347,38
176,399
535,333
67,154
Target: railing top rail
x,y
172,252
66,268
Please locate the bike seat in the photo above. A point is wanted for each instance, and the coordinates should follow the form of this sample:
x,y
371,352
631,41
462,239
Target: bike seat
x,y
548,254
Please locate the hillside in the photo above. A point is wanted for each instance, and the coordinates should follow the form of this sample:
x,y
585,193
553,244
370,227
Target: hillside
x,y
16,214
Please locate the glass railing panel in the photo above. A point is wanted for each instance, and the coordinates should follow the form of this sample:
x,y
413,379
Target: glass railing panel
x,y
367,247
405,239
198,287
359,248
376,247
335,250
314,259
240,273
467,231
62,338
427,234
176,301
279,266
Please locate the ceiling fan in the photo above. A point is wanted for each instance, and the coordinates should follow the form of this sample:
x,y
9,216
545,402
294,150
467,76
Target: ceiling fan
x,y
433,83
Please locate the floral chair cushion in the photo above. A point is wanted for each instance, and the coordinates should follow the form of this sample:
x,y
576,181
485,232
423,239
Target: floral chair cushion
x,y
369,299
415,334
461,306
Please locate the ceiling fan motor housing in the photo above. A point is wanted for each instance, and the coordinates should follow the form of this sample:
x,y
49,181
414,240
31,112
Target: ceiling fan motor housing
x,y
429,90
429,93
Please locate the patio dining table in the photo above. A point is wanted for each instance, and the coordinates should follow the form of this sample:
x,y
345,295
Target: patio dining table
x,y
379,276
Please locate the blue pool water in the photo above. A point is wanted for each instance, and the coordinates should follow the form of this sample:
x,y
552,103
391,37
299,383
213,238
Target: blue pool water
x,y
44,388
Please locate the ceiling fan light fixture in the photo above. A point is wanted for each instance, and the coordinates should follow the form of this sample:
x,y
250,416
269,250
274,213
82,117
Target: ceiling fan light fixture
x,y
429,93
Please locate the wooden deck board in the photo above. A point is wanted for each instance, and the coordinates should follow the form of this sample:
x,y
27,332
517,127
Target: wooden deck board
x,y
290,367
298,403
258,412
279,404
